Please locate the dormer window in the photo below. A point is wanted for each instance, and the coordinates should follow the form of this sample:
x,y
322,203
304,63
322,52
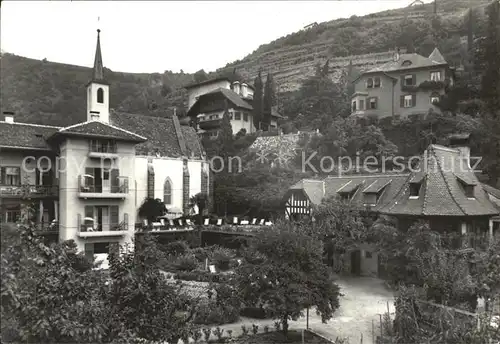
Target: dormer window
x,y
467,185
410,80
347,191
406,63
415,190
373,192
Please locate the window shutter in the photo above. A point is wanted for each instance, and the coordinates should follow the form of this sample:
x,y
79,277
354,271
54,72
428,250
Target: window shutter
x,y
114,179
89,251
413,79
79,221
402,101
125,220
2,175
114,215
402,80
413,100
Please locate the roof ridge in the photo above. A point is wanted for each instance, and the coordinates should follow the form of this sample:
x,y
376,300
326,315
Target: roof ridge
x,y
103,123
370,175
448,188
33,125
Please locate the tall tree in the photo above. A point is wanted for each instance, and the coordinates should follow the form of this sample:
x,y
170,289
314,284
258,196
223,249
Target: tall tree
x,y
257,102
284,272
225,138
269,99
490,81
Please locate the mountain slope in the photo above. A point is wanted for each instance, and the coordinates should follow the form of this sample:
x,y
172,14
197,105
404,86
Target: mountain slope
x,y
54,93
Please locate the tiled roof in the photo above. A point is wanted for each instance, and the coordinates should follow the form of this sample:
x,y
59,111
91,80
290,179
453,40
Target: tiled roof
x,y
314,189
233,97
100,129
24,135
207,82
417,61
387,185
441,193
491,190
160,133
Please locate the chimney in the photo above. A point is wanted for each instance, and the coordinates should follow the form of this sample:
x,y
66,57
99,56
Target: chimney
x,y
461,142
236,87
9,116
94,115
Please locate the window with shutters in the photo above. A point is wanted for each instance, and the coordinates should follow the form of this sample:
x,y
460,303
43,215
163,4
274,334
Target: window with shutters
x,y
369,83
376,82
353,105
407,101
372,103
167,191
114,215
435,76
410,80
10,176
100,95
237,115
435,98
361,104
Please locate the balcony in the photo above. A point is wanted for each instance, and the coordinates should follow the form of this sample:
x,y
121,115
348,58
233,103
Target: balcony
x,y
207,124
92,230
28,191
102,150
115,189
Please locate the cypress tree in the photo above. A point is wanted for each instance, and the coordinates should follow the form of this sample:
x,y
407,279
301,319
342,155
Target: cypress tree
x,y
490,81
225,137
257,102
269,99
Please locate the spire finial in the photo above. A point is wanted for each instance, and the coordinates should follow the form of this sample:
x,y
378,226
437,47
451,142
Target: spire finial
x,y
97,72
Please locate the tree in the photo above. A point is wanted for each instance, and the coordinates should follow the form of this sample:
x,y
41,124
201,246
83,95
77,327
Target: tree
x,y
201,201
152,208
141,301
258,101
284,272
490,83
269,99
225,138
200,76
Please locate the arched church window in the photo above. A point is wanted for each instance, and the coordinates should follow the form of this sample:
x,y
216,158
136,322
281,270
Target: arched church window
x,y
100,95
167,192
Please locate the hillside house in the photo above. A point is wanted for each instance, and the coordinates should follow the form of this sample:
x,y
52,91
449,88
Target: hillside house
x,y
208,100
89,179
408,86
441,189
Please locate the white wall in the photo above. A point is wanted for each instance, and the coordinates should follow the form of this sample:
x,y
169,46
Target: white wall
x,y
93,105
195,92
167,168
75,153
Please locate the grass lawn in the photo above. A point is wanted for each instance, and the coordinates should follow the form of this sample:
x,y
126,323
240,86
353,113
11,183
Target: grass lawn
x,y
294,337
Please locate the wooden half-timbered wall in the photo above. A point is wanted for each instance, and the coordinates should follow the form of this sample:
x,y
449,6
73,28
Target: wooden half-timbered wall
x,y
297,204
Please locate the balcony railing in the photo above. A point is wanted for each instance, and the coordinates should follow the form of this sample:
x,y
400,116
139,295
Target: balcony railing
x,y
28,190
118,186
99,227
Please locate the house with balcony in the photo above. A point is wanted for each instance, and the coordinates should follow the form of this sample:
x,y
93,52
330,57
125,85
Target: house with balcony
x,y
441,189
88,180
208,100
409,86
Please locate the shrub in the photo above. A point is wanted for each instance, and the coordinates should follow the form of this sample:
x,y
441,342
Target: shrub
x,y
266,329
230,334
196,335
206,333
221,257
218,332
176,248
244,330
210,313
186,262
277,325
253,312
255,329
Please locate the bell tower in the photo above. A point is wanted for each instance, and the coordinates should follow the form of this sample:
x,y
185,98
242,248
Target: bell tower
x,y
98,89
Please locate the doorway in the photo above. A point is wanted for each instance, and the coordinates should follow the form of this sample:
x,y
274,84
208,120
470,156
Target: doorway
x,y
356,262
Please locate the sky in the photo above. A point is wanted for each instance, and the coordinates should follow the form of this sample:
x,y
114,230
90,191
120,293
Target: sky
x,y
154,36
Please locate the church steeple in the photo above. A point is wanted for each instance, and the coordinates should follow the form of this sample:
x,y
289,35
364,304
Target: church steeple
x,y
98,89
97,72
